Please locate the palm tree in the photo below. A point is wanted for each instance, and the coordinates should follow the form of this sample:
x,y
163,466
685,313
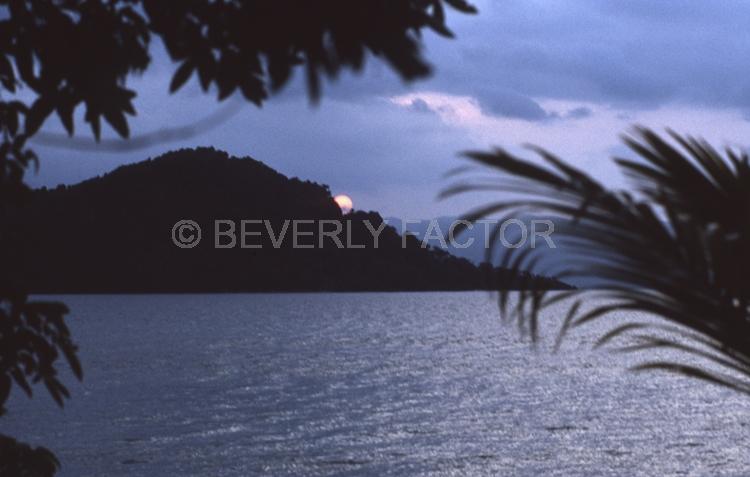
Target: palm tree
x,y
677,246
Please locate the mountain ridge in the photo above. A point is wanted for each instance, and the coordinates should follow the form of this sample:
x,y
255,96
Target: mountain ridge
x,y
115,233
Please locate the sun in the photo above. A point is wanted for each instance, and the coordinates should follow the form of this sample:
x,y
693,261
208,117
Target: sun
x,y
344,202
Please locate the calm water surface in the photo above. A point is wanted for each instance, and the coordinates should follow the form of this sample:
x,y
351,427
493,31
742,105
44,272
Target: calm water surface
x,y
364,384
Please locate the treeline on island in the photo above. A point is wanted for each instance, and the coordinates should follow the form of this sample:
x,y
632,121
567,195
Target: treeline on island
x,y
116,234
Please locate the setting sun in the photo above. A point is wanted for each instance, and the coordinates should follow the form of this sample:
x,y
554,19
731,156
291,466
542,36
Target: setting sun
x,y
344,202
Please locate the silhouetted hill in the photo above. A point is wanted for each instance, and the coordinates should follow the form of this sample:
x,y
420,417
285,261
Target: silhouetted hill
x,y
115,234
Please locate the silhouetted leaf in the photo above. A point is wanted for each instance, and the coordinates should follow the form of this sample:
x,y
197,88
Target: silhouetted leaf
x,y
92,117
462,6
4,391
117,120
181,75
38,112
65,113
7,77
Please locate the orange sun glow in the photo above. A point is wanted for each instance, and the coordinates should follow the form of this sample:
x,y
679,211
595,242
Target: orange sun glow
x,y
344,202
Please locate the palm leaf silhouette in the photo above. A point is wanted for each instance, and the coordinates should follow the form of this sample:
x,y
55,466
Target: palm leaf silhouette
x,y
677,246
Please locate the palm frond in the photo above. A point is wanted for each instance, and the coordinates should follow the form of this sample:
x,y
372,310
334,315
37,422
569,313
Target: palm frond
x,y
676,246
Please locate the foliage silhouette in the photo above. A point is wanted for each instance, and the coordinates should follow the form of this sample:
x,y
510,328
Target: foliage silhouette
x,y
65,53
32,335
676,247
18,459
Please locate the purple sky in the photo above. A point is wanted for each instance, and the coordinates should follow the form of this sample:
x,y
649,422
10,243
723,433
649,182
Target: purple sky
x,y
568,75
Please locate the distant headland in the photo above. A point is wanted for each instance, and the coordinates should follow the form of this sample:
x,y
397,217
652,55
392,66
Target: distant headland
x,y
199,220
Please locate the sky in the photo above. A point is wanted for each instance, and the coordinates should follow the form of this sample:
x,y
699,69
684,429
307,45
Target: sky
x,y
569,75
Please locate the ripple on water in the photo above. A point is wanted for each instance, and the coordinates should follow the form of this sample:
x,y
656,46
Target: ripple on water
x,y
364,384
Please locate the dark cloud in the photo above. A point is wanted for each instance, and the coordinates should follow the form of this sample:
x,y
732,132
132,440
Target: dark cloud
x,y
420,106
579,113
639,54
516,106
509,104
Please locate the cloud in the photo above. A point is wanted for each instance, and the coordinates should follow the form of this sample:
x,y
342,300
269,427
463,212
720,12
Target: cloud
x,y
586,134
419,105
509,104
579,113
635,54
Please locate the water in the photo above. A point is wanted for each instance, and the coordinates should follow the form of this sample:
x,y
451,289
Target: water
x,y
364,384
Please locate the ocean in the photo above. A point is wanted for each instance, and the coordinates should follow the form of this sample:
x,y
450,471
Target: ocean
x,y
365,384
